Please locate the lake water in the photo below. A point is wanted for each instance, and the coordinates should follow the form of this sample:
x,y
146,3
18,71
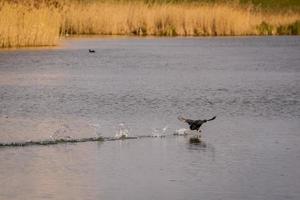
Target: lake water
x,y
251,151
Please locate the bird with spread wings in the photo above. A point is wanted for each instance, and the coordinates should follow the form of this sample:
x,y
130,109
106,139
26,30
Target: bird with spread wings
x,y
195,124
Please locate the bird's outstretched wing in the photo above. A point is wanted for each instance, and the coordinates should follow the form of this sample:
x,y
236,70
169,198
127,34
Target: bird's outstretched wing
x,y
212,118
181,119
189,121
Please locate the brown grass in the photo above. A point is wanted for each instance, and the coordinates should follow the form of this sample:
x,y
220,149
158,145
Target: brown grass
x,y
29,25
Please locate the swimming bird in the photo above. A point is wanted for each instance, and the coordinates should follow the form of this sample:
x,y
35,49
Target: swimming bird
x,y
92,51
195,124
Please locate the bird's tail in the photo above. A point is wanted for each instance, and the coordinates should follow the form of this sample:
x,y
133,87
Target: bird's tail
x,y
212,118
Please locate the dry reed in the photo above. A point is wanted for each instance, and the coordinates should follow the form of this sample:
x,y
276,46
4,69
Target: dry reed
x,y
27,26
168,19
23,25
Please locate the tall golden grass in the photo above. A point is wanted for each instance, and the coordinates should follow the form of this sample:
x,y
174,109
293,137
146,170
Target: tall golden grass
x,y
21,25
29,25
169,20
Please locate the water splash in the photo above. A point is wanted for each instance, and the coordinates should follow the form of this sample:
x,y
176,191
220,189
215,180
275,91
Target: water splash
x,y
186,132
182,131
122,132
165,129
157,132
51,141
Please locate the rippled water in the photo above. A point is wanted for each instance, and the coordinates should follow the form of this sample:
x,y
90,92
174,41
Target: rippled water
x,y
251,151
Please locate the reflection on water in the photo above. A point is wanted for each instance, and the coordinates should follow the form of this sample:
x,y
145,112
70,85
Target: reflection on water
x,y
250,151
198,146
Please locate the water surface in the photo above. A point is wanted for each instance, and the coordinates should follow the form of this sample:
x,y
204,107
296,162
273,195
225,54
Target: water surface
x,y
251,151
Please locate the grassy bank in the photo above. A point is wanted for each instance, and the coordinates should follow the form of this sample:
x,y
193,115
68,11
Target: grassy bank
x,y
37,23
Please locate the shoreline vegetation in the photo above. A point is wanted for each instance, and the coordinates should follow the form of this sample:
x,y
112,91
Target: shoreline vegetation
x,y
25,23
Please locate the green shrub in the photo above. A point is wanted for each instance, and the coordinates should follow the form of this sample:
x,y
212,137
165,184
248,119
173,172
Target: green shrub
x,y
265,29
295,28
291,29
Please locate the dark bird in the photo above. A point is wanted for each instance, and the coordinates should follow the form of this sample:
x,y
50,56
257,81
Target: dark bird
x,y
92,51
195,124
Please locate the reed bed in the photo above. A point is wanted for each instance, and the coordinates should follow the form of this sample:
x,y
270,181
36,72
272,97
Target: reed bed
x,y
32,25
21,25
